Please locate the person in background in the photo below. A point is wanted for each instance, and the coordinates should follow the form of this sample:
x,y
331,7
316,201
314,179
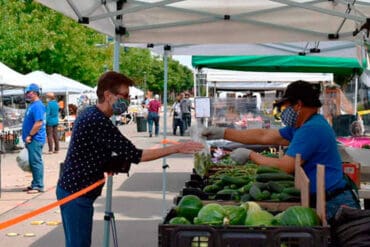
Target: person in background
x,y
185,105
307,133
52,121
153,115
97,146
34,137
61,107
177,116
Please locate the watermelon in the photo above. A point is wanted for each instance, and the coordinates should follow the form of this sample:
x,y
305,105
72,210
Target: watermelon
x,y
299,216
179,221
189,207
235,214
211,214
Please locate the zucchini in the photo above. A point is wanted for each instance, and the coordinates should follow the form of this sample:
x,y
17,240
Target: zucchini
x,y
212,188
284,197
257,194
268,169
292,191
279,186
265,177
234,180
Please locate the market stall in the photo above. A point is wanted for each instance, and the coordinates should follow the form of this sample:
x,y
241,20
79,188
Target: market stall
x,y
171,22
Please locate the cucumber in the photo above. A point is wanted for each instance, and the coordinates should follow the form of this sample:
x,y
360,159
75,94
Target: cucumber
x,y
234,180
257,194
279,186
212,188
265,177
284,197
268,169
292,191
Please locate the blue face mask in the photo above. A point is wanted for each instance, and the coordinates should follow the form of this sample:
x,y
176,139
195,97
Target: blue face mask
x,y
120,106
289,117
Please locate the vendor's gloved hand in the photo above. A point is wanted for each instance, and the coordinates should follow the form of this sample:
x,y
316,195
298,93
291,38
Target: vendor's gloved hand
x,y
240,155
213,133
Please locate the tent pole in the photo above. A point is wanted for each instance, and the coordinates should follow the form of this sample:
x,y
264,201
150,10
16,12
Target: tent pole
x,y
108,216
355,98
167,49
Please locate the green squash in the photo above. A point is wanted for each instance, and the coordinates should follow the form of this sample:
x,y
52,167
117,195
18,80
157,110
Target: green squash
x,y
189,207
235,214
211,214
179,221
299,216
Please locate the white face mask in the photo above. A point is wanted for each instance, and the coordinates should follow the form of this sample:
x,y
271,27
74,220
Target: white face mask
x,y
289,117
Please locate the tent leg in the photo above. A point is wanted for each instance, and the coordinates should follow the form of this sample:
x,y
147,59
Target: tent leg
x,y
167,49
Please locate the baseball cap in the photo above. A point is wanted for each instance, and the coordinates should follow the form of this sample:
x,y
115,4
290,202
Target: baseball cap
x,y
307,92
32,87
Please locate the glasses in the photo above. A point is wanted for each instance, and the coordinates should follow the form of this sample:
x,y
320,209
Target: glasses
x,y
123,95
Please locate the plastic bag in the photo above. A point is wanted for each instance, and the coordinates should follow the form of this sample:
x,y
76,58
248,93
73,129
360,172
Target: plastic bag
x,y
22,160
202,158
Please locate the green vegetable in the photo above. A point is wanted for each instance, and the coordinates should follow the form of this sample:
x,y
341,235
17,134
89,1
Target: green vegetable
x,y
179,221
245,197
212,188
266,177
299,216
234,180
189,207
279,186
259,218
211,214
284,197
276,221
268,169
236,215
257,194
251,207
292,191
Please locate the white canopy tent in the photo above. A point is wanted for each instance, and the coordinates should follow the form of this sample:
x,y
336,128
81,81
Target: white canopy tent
x,y
10,78
218,21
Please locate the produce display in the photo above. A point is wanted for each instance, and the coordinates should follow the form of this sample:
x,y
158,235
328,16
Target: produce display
x,y
247,214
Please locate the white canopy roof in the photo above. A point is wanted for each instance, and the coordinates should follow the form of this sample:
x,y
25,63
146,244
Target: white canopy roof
x,y
218,21
238,80
10,78
73,84
51,84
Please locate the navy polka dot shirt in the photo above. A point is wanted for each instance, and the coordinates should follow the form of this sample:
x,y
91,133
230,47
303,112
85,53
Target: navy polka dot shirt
x,y
94,144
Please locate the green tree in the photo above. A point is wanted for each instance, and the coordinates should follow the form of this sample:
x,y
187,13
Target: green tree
x,y
33,37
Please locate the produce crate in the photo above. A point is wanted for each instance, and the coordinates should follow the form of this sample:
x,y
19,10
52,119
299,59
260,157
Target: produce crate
x,y
236,236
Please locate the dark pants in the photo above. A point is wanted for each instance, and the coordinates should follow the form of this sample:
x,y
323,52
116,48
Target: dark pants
x,y
186,118
77,218
52,133
177,122
153,117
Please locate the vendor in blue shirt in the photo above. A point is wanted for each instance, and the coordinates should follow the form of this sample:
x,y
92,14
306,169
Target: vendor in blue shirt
x,y
306,133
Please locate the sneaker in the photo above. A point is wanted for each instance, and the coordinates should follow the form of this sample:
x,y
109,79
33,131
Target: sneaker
x,y
150,135
34,191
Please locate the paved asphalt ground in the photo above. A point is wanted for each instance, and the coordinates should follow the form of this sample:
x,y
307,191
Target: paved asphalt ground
x,y
137,200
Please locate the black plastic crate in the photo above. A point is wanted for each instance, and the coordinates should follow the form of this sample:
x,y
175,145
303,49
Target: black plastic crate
x,y
237,236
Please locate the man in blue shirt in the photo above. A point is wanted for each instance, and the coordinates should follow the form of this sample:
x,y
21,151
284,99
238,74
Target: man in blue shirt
x,y
307,133
34,136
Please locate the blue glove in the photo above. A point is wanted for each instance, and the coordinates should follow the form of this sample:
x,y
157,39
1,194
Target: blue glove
x,y
213,133
240,155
